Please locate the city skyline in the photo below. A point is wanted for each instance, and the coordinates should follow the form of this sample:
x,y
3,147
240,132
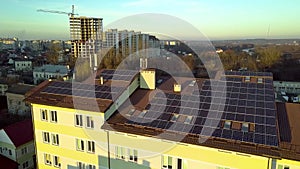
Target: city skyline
x,y
217,20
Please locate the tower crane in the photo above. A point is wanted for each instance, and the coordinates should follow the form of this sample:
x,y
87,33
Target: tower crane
x,y
71,14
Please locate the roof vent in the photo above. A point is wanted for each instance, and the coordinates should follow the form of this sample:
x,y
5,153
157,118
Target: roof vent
x,y
177,87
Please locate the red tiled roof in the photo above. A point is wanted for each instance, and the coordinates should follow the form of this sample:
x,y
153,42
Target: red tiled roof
x,y
20,132
6,163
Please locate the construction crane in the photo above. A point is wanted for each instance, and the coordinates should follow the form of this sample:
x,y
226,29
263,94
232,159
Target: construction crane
x,y
71,14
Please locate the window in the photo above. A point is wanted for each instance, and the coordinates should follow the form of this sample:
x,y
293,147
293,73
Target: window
x,y
130,113
89,122
9,152
188,120
120,152
55,139
1,150
227,125
166,162
46,137
133,155
47,159
91,166
24,150
223,168
56,161
247,79
80,165
259,80
91,146
181,164
25,164
283,167
79,144
245,127
78,119
142,114
174,117
44,115
53,116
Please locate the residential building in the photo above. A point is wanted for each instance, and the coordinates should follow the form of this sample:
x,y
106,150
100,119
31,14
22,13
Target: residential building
x,y
16,143
8,163
8,43
287,87
23,65
130,43
86,36
127,120
3,88
15,99
50,71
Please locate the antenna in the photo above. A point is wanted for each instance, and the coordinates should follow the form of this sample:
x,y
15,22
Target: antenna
x,y
268,33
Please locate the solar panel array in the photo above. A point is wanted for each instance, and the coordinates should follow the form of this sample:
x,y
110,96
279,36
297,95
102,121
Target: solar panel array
x,y
82,90
243,102
125,75
246,73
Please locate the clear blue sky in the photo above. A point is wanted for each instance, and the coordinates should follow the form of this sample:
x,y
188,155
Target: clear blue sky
x,y
217,19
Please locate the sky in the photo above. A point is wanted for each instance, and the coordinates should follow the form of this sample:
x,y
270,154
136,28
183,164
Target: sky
x,y
216,19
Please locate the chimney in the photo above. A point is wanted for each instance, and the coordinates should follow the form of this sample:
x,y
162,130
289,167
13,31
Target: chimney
x,y
177,87
101,80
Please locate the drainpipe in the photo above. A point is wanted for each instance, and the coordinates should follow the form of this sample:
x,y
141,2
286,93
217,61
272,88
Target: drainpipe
x,y
108,150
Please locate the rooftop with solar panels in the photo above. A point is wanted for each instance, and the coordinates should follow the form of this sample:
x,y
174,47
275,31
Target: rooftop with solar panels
x,y
235,111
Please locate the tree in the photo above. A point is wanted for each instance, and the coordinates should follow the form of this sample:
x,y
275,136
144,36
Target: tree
x,y
268,56
82,70
53,53
230,60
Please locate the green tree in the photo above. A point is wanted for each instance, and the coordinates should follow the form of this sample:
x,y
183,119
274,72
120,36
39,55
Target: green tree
x,y
230,60
268,56
53,53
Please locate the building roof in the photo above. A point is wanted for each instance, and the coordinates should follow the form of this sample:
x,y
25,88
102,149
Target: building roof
x,y
236,111
88,95
288,123
20,133
196,113
20,89
62,69
7,163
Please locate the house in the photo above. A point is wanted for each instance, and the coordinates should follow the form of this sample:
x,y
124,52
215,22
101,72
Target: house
x,y
3,88
50,71
16,144
15,99
23,65
7,163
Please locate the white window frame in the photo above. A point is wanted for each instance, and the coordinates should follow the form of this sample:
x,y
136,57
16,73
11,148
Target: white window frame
x,y
132,155
120,152
80,120
46,137
47,158
55,139
24,150
80,165
53,116
44,115
79,145
90,146
56,161
90,166
89,122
